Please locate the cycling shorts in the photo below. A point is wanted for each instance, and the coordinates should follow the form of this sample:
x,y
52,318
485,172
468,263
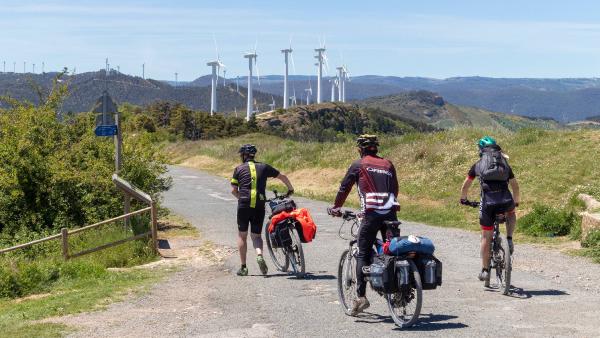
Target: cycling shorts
x,y
250,216
487,213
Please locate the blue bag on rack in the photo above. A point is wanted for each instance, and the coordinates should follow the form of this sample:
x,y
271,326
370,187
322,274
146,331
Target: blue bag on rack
x,y
403,245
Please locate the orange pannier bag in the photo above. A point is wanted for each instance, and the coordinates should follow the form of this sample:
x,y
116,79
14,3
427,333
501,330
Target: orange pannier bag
x,y
307,228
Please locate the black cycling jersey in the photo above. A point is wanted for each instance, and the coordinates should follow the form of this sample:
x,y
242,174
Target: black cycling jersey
x,y
250,178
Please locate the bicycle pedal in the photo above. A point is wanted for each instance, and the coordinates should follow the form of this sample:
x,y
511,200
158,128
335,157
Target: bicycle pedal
x,y
366,269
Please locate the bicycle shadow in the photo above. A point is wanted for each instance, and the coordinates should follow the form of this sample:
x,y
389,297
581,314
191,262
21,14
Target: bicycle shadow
x,y
520,293
307,276
426,322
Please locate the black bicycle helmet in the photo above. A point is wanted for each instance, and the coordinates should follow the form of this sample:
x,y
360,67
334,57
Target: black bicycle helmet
x,y
366,141
248,149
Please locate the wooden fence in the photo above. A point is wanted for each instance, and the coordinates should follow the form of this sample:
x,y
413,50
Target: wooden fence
x,y
130,191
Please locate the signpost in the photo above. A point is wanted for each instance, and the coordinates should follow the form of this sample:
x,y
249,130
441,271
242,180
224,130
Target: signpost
x,y
108,124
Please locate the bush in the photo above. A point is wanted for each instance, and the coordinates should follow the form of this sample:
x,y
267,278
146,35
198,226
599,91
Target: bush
x,y
592,240
546,221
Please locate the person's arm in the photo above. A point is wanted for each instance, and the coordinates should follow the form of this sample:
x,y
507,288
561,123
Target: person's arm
x,y
346,185
464,191
286,181
514,186
234,184
395,187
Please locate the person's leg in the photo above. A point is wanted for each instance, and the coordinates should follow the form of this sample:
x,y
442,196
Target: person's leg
x,y
511,223
256,221
256,224
486,219
243,246
242,220
486,241
367,233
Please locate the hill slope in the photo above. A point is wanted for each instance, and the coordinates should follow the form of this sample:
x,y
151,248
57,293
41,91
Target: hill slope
x,y
85,89
430,108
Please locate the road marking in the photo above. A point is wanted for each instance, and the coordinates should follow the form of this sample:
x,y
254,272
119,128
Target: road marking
x,y
215,195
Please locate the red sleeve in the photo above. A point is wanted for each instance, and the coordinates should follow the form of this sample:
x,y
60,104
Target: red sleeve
x,y
346,185
472,173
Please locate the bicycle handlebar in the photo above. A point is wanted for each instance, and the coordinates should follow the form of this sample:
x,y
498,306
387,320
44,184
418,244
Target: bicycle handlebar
x,y
470,203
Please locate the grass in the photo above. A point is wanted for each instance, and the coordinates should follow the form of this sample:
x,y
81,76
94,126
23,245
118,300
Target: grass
x,y
552,166
70,296
37,283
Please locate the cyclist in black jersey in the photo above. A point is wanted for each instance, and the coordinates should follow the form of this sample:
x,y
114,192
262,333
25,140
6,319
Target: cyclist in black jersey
x,y
249,183
496,198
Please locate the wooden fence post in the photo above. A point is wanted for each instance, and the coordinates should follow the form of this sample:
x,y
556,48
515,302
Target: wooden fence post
x,y
154,226
65,242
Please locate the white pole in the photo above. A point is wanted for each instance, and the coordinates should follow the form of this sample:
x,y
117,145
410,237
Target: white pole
x,y
332,90
285,79
213,89
250,103
319,57
340,83
344,86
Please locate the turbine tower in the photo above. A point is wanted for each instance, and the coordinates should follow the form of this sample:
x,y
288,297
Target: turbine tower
x,y
345,77
286,96
214,83
340,79
250,105
319,58
333,81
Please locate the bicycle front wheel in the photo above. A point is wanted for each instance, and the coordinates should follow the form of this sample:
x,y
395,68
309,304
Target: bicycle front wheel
x,y
405,305
505,274
296,254
346,281
278,255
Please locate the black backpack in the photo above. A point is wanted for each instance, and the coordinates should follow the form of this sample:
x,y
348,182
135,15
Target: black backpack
x,y
492,166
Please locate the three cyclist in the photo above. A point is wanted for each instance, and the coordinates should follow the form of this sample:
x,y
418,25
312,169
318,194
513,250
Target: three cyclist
x,y
495,177
248,184
377,184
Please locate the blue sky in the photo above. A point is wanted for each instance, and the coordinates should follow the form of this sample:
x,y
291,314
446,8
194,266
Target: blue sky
x,y
403,38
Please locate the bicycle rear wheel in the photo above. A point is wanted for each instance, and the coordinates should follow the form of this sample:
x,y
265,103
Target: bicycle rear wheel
x,y
278,255
346,281
405,306
504,274
296,254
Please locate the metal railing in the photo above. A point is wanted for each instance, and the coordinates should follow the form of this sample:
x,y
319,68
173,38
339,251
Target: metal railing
x,y
131,191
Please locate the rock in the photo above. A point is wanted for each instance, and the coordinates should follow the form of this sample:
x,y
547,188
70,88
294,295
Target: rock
x,y
590,203
589,222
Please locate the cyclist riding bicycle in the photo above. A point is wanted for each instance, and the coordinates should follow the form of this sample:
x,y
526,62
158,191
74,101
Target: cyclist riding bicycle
x,y
377,184
249,182
495,176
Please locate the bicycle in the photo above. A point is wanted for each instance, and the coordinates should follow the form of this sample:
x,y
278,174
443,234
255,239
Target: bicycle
x,y
284,243
400,303
500,256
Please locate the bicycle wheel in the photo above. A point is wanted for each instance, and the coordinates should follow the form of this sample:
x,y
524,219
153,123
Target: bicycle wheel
x,y
504,274
346,281
296,254
278,255
405,306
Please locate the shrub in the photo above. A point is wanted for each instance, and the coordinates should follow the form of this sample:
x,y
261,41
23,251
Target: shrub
x,y
592,240
547,221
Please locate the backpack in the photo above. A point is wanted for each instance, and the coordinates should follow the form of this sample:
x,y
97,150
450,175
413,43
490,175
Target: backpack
x,y
492,166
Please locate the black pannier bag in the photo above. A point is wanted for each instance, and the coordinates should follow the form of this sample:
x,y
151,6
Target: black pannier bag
x,y
281,236
382,275
430,269
279,206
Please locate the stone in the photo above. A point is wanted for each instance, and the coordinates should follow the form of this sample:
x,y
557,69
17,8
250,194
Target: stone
x,y
589,222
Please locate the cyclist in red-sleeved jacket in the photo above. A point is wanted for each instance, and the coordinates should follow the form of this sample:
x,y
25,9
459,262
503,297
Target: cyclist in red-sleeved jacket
x,y
377,183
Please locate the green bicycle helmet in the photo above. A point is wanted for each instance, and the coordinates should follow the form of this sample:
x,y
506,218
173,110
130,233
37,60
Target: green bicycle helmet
x,y
486,141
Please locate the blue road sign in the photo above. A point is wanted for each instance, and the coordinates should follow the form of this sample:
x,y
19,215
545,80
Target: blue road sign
x,y
106,130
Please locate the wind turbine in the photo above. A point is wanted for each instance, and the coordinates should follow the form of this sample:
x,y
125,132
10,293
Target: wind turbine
x,y
272,105
286,99
308,92
216,65
333,85
345,77
251,61
340,79
319,58
213,92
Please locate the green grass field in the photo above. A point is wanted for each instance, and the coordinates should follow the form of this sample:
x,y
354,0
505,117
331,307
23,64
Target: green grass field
x,y
551,166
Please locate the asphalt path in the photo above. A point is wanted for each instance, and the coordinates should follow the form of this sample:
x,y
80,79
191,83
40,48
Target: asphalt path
x,y
555,295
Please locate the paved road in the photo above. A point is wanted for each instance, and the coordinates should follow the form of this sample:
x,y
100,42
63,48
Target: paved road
x,y
558,295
